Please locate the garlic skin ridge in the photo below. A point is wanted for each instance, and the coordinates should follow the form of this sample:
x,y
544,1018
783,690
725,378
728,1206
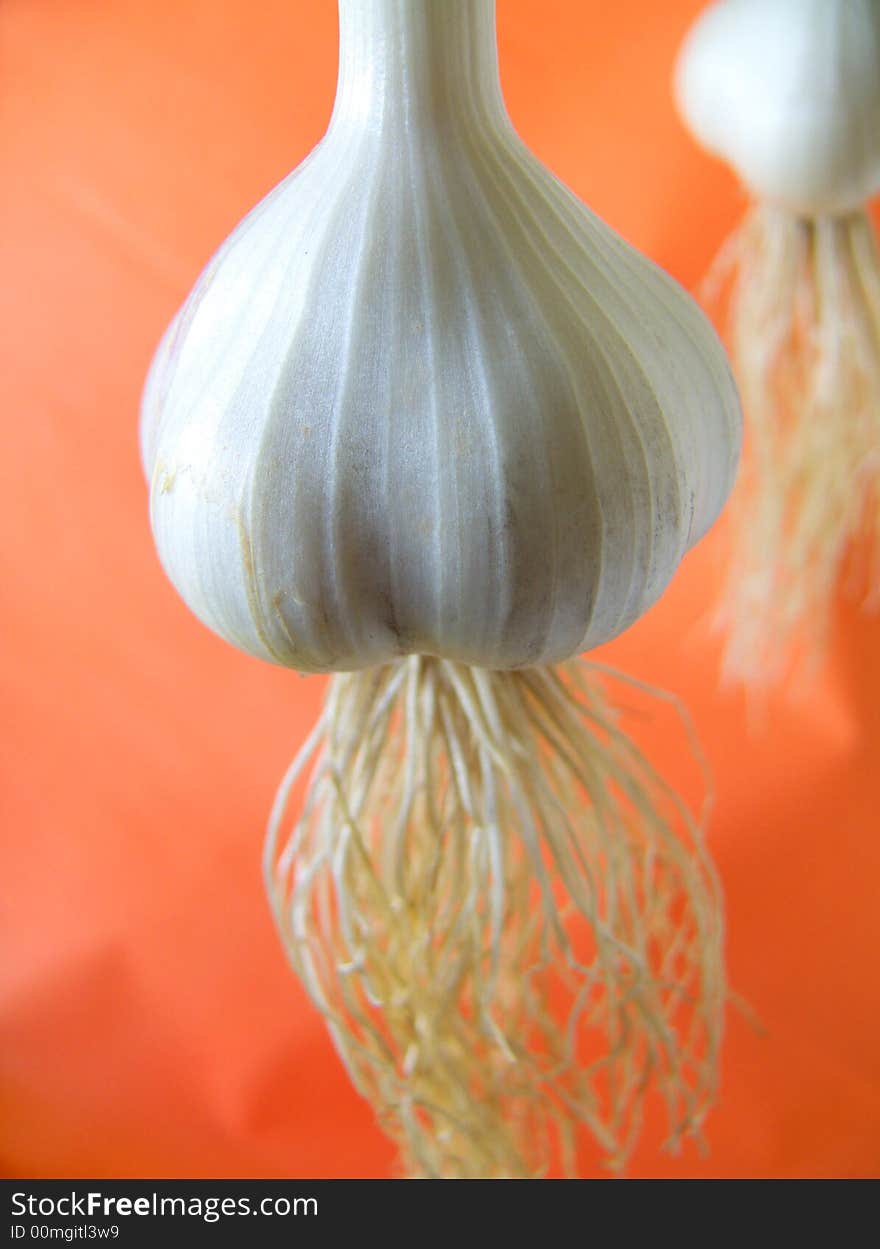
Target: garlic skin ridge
x,y
788,93
527,425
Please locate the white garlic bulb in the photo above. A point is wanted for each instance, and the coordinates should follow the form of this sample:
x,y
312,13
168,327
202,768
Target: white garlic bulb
x,y
788,93
422,400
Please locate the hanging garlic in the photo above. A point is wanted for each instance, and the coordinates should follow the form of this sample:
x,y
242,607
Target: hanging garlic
x,y
425,416
788,93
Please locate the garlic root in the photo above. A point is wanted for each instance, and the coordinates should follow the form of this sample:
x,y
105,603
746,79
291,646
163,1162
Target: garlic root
x,y
805,337
508,920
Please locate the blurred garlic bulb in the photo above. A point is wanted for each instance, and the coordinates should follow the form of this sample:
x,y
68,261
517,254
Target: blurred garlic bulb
x,y
788,93
423,403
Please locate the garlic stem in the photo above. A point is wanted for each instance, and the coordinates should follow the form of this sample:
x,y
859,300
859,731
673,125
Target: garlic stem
x,y
417,63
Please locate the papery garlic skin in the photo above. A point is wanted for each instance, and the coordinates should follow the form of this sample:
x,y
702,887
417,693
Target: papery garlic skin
x,y
788,93
422,400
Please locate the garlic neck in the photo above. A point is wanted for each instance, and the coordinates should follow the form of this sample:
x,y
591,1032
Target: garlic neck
x,y
417,64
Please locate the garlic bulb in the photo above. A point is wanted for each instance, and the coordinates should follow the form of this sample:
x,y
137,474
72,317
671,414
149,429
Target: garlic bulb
x,y
425,420
422,400
788,93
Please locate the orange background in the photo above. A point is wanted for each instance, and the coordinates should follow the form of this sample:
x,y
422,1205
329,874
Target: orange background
x,y
148,1022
